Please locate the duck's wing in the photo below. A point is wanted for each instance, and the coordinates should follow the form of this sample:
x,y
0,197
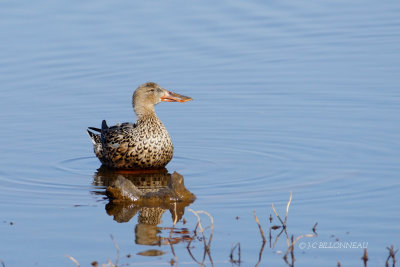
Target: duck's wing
x,y
111,142
115,142
110,135
117,134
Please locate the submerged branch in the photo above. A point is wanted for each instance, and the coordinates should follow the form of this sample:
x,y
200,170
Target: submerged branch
x,y
259,226
73,259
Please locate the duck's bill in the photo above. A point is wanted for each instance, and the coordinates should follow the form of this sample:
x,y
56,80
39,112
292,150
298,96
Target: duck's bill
x,y
174,97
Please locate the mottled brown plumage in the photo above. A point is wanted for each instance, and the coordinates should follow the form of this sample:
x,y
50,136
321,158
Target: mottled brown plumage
x,y
144,145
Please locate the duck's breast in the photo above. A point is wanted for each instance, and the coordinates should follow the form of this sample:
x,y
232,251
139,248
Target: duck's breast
x,y
150,146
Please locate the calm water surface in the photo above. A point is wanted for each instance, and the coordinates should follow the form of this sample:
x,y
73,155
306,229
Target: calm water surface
x,y
288,97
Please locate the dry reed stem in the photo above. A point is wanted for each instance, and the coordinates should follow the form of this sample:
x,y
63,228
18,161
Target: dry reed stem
x,y
176,215
196,213
211,226
279,235
292,252
173,251
118,250
283,222
194,234
291,264
365,257
295,241
206,245
292,242
259,226
314,229
73,259
170,234
198,219
232,260
188,246
287,207
109,262
287,211
392,254
172,246
276,214
260,254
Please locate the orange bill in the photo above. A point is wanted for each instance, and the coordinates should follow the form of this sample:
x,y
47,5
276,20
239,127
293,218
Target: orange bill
x,y
174,97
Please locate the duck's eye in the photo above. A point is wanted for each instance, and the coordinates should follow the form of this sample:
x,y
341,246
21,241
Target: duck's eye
x,y
151,90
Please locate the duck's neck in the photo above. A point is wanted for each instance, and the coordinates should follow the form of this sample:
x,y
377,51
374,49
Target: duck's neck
x,y
146,113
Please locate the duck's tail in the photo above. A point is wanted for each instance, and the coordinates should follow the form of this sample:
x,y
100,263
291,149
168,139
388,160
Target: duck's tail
x,y
96,140
93,136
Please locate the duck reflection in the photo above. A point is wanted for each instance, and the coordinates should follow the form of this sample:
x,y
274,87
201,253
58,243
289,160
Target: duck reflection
x,y
149,194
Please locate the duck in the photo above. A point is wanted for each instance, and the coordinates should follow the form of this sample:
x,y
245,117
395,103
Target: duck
x,y
145,144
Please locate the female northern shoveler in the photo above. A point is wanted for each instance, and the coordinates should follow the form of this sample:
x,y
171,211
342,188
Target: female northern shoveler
x,y
143,145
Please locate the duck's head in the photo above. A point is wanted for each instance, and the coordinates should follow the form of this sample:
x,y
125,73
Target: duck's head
x,y
149,94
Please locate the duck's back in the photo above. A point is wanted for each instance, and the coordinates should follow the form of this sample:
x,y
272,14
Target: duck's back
x,y
144,145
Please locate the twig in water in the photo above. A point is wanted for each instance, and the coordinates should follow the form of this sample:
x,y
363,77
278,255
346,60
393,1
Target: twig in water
x,y
270,238
170,235
314,229
2,263
287,211
191,255
260,254
207,246
194,235
282,222
365,257
277,237
211,234
290,242
262,236
392,254
109,263
211,226
188,246
259,226
117,247
287,207
173,252
295,241
73,259
240,260
292,253
276,214
232,260
291,249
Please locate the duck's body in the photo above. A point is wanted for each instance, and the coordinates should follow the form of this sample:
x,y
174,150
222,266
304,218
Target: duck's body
x,y
144,145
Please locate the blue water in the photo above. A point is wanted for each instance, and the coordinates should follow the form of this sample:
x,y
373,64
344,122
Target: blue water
x,y
298,97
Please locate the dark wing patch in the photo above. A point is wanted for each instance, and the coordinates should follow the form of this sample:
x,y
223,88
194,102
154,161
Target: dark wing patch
x,y
94,129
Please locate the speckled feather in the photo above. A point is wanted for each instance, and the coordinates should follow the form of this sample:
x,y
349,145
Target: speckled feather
x,y
143,145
